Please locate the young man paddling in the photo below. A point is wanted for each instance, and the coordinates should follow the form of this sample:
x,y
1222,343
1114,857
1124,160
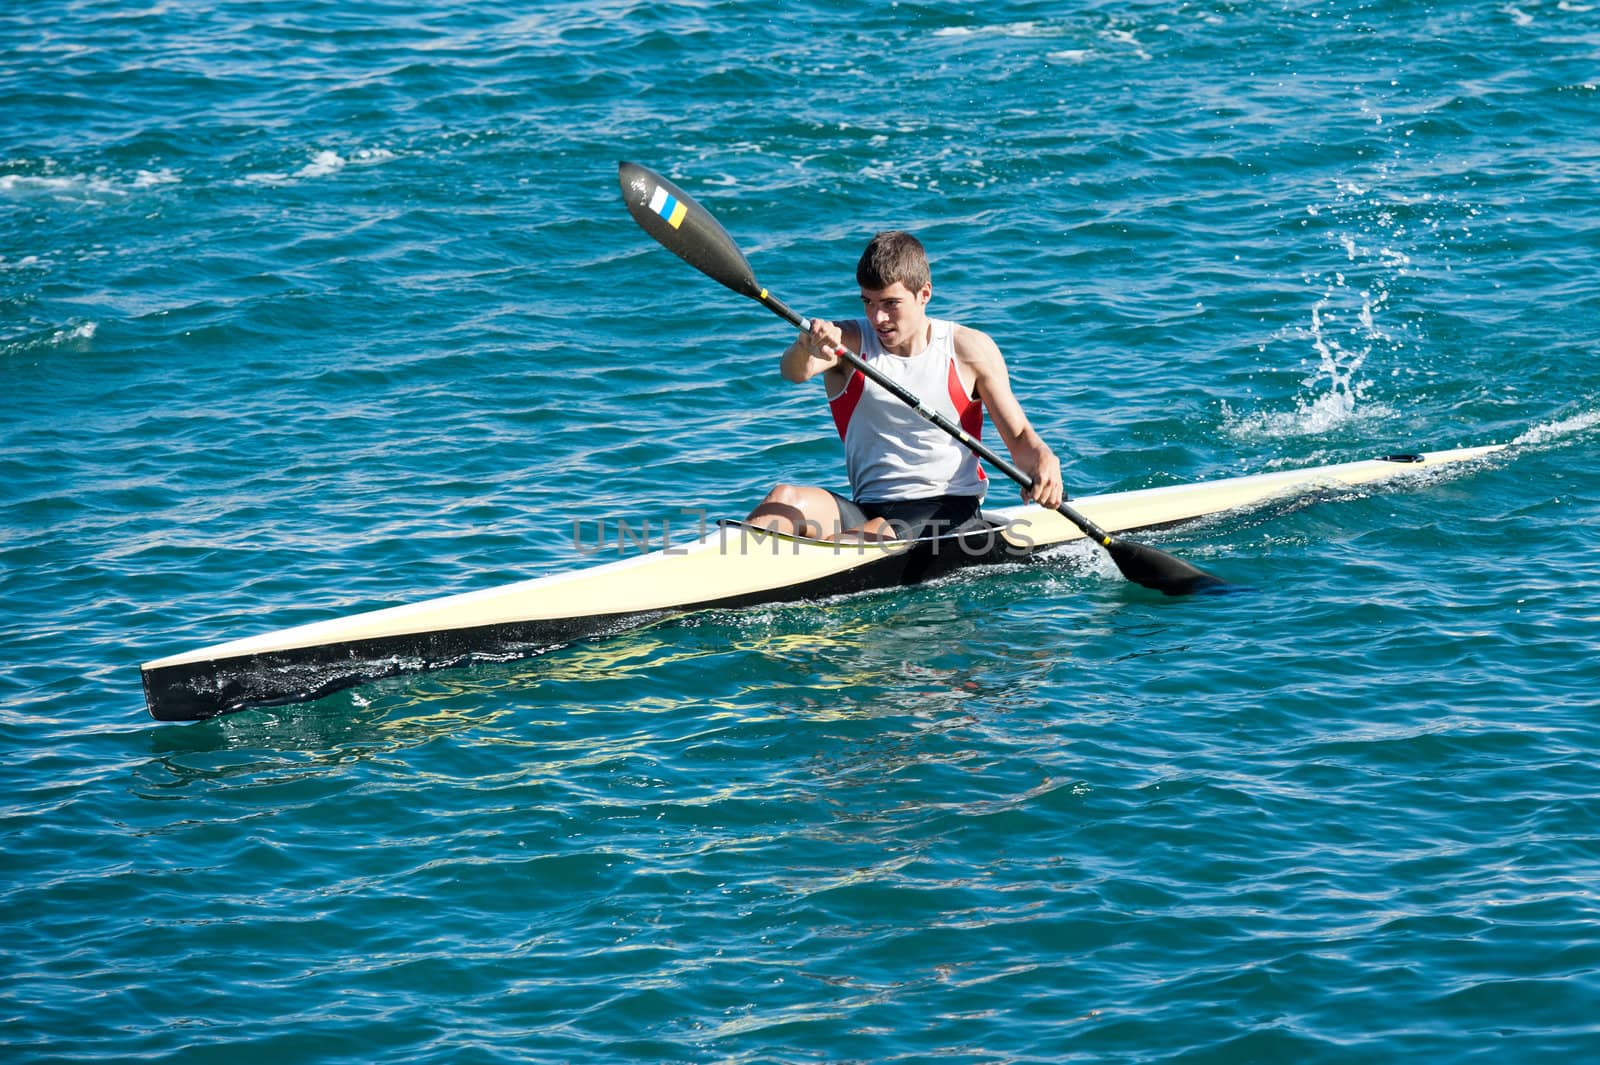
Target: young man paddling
x,y
908,477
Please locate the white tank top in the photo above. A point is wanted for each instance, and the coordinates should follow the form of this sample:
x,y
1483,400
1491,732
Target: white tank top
x,y
891,453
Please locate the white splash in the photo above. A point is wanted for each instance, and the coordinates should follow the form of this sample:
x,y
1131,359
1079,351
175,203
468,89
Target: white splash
x,y
1128,40
1337,386
74,337
1003,29
149,179
1560,429
95,188
324,163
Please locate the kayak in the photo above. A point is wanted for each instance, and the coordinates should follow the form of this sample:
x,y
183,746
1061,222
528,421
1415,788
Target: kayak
x,y
727,566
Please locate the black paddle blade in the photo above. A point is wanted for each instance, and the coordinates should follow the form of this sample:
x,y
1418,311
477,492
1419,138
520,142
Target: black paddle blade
x,y
1159,570
685,228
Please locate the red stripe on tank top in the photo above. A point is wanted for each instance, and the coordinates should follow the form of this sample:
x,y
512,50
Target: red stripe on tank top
x,y
844,404
969,409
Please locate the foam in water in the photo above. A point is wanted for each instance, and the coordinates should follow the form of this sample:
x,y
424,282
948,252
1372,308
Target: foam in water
x,y
1026,28
324,163
1560,429
83,331
82,188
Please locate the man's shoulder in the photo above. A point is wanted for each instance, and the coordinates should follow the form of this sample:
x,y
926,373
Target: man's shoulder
x,y
972,344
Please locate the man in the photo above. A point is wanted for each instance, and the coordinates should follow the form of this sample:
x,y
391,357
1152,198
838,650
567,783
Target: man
x,y
907,477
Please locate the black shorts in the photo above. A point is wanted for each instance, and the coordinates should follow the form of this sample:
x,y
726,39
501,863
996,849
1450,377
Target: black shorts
x,y
911,519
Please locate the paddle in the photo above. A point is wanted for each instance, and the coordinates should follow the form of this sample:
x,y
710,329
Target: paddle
x,y
685,228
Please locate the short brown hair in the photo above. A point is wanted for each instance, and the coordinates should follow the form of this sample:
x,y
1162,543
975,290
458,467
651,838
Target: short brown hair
x,y
893,256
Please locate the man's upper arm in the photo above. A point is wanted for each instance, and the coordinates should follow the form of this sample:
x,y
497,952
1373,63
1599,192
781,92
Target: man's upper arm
x,y
981,357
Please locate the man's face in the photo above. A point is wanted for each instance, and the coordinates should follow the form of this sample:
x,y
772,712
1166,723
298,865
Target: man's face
x,y
898,315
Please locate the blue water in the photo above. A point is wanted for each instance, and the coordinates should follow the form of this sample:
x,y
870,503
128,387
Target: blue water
x,y
309,308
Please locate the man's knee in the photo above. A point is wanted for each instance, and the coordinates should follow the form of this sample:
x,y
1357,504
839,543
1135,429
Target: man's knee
x,y
787,495
796,509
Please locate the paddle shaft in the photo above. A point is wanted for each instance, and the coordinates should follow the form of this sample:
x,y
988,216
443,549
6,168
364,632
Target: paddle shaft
x,y
906,396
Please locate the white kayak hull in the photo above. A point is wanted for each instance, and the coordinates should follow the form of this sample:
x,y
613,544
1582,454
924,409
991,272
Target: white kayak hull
x,y
730,566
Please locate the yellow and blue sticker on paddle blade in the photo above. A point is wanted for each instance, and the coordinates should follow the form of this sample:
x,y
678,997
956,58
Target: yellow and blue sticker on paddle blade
x,y
667,206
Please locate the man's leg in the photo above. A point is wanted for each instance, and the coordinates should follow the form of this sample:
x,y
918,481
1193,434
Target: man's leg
x,y
799,511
